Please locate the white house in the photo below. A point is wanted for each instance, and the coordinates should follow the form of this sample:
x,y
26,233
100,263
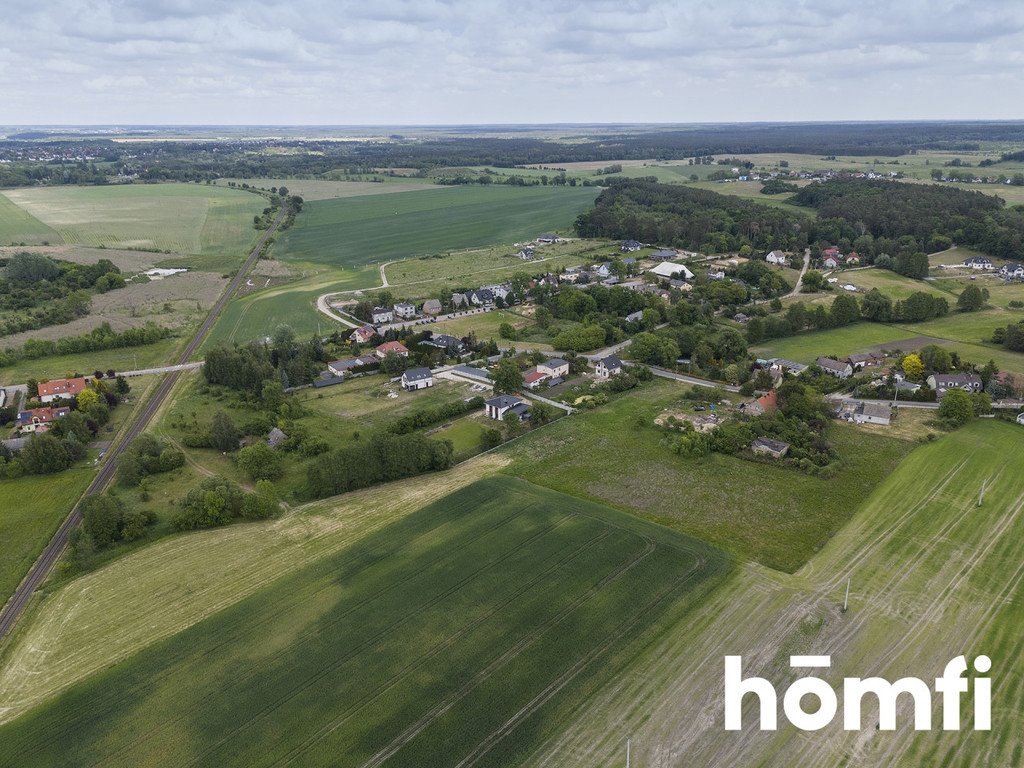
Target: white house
x,y
978,262
382,315
61,389
602,270
1012,270
943,382
777,257
554,366
417,378
608,366
838,368
830,261
547,238
873,413
497,407
405,310
667,269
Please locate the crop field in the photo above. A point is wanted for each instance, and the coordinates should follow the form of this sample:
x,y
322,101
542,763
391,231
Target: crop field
x,y
932,576
377,228
31,508
777,516
325,189
19,226
468,631
182,218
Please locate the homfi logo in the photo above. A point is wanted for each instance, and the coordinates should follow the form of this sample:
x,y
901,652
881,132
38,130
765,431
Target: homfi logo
x,y
951,687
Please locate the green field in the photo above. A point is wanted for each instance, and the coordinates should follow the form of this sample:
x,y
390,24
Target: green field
x,y
183,218
19,226
326,189
777,516
378,228
932,576
471,630
31,508
127,359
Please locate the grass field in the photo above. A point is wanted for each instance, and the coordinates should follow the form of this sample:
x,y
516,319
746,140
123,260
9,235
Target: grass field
x,y
325,189
31,508
128,359
775,515
19,226
933,577
377,228
183,218
470,630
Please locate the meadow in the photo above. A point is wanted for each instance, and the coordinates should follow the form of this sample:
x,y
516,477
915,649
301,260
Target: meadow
x,y
327,189
181,218
19,226
125,359
31,509
932,576
777,516
378,228
470,630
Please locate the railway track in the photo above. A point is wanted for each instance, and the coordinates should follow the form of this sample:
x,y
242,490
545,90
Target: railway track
x,y
51,555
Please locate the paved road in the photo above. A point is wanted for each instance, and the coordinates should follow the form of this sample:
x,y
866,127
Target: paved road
x,y
55,548
803,271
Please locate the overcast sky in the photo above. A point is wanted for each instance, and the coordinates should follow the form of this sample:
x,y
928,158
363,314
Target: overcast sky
x,y
497,61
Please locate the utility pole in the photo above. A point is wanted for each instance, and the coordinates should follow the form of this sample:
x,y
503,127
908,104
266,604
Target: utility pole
x,y
846,600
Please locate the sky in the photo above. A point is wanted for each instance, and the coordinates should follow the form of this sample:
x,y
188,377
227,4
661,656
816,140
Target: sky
x,y
421,62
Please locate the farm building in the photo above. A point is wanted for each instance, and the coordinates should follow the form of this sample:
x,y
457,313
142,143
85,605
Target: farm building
x,y
837,368
865,360
668,269
766,446
547,238
341,367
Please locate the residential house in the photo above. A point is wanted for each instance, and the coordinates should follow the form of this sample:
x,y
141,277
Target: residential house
x,y
853,258
778,258
534,378
739,317
388,347
481,297
766,446
831,262
767,403
602,270
405,310
499,291
382,315
667,269
865,360
526,253
943,382
417,378
497,407
276,437
432,307
629,246
364,334
978,262
838,368
61,389
40,419
716,274
873,413
1014,270
547,238
635,317
665,254
608,366
448,343
554,366
341,367
459,300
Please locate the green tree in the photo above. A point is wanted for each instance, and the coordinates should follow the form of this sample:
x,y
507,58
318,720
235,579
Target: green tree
x,y
970,299
813,282
507,377
513,424
844,310
44,454
935,358
507,331
261,504
260,462
393,364
956,407
102,518
224,434
541,413
877,307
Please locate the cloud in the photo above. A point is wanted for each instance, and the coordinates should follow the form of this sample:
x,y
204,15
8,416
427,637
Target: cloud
x,y
458,61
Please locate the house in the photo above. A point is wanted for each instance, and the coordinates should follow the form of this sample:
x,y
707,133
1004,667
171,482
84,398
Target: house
x,y
432,307
902,385
864,360
739,317
547,238
364,334
459,300
832,250
777,257
667,269
665,254
873,413
450,344
716,274
629,246
499,291
382,315
943,382
978,262
1012,270
1020,418
608,366
630,261
838,368
767,403
853,258
635,317
534,378
40,419
526,253
276,437
389,347
405,310
602,270
766,446
497,407
341,367
830,261
417,378
61,389
554,366
481,297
